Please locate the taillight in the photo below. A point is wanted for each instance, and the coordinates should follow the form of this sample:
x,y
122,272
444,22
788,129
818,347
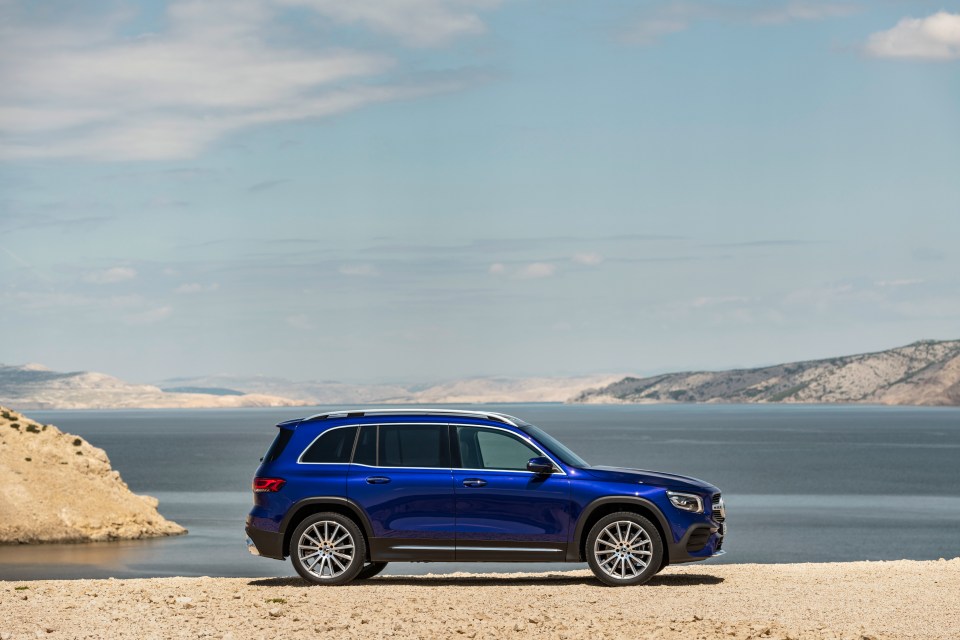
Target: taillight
x,y
267,485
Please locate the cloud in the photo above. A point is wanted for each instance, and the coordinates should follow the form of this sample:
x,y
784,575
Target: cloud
x,y
762,243
150,316
91,90
802,11
649,31
417,23
265,185
529,271
673,17
300,321
497,269
111,275
359,270
900,282
713,301
935,37
21,222
189,288
588,258
928,254
536,270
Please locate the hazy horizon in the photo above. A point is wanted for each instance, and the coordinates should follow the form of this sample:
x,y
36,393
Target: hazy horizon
x,y
441,189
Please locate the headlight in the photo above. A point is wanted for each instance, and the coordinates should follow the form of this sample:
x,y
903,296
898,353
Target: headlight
x,y
686,501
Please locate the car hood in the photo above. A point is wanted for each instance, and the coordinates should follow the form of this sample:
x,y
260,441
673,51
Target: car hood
x,y
655,478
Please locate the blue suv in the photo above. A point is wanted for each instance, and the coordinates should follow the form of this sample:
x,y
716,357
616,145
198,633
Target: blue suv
x,y
344,493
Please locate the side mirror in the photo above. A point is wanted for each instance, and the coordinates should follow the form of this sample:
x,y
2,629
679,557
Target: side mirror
x,y
540,465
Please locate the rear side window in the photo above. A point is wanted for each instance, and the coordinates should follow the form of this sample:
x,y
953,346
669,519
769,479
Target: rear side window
x,y
414,445
334,446
366,452
279,444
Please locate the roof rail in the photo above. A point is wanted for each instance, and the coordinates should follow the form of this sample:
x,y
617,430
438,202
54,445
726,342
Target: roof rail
x,y
356,413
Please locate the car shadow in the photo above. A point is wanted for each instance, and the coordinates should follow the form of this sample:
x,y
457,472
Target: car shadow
x,y
663,580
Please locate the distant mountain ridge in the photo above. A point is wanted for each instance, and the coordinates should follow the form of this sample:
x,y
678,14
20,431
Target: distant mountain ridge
x,y
476,390
33,386
923,373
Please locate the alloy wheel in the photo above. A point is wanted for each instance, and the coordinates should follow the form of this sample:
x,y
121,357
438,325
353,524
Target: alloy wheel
x,y
326,549
623,549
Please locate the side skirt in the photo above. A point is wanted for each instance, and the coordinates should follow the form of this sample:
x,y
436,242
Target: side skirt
x,y
421,550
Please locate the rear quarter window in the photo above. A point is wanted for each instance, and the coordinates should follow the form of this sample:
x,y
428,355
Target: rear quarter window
x,y
278,445
333,446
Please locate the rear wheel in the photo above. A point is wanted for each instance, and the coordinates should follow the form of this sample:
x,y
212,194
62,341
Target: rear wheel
x,y
624,549
328,548
371,569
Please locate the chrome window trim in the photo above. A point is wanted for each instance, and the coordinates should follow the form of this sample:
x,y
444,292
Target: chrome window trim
x,y
560,470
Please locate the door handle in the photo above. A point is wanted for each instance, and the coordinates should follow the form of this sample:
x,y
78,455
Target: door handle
x,y
378,480
474,482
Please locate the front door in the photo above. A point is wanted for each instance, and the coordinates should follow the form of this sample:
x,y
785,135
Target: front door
x,y
401,477
505,512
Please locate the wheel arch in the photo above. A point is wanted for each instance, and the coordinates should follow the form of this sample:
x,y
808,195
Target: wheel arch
x,y
310,506
611,504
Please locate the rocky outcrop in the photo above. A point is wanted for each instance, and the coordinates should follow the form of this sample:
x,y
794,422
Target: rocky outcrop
x,y
923,373
59,488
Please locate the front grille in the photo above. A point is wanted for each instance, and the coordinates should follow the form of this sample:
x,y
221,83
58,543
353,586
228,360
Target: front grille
x,y
719,511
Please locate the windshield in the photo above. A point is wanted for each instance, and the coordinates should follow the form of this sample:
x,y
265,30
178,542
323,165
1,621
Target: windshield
x,y
556,447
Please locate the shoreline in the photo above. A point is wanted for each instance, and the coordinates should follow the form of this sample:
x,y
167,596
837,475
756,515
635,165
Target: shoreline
x,y
872,600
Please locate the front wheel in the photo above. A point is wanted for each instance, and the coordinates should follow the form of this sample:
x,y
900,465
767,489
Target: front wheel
x,y
328,548
624,549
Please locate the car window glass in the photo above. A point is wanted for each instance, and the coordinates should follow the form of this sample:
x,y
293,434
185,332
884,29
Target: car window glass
x,y
333,446
493,449
413,445
279,444
366,452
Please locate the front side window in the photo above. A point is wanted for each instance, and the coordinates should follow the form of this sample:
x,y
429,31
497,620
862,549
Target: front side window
x,y
493,449
413,445
334,446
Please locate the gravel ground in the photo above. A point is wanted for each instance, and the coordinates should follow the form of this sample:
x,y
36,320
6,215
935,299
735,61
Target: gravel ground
x,y
859,600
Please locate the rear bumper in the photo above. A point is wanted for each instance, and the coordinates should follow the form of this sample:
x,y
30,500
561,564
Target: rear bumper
x,y
268,544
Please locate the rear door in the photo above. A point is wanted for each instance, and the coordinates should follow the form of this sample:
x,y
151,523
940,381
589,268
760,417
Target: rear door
x,y
505,512
401,477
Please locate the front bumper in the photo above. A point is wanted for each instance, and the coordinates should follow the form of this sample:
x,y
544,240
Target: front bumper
x,y
268,544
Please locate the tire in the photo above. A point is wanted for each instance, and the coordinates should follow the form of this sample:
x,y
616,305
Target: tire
x,y
624,549
328,549
371,569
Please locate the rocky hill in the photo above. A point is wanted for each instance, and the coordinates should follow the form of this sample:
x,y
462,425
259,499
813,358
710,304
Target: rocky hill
x,y
461,391
59,488
36,387
923,373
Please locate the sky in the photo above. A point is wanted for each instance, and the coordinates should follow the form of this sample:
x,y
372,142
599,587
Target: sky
x,y
419,190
